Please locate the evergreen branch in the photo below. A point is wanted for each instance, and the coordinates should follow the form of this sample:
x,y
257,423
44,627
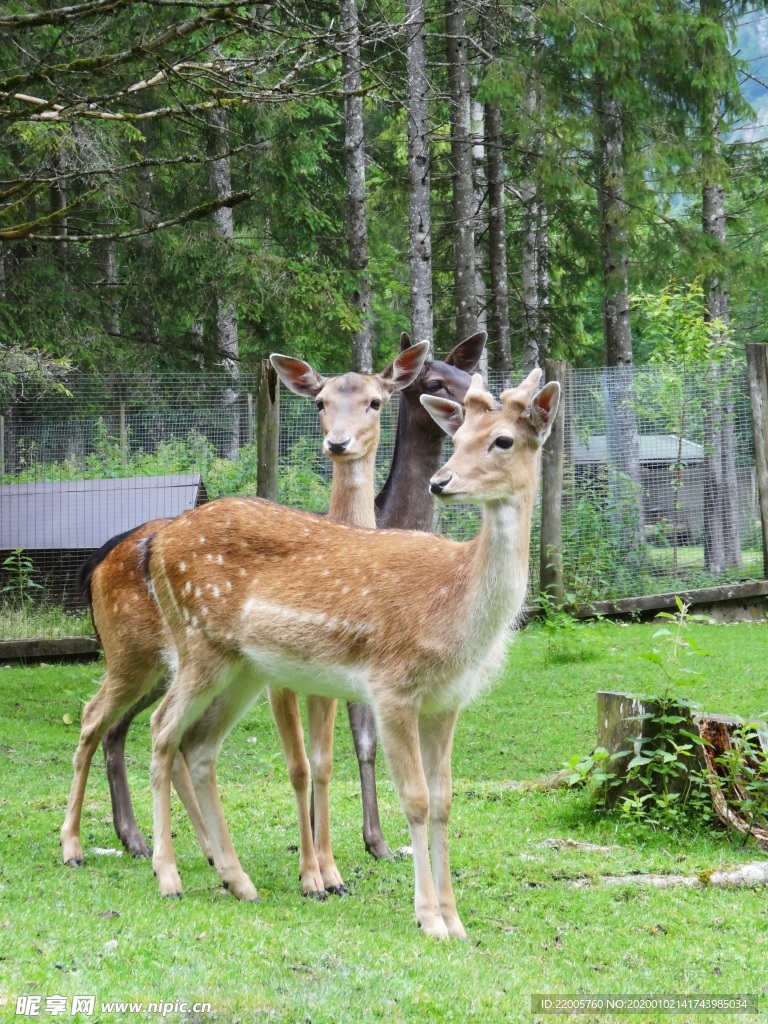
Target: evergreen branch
x,y
63,14
105,62
196,213
24,230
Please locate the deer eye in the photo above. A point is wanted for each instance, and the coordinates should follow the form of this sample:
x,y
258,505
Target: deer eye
x,y
504,441
319,405
376,403
433,385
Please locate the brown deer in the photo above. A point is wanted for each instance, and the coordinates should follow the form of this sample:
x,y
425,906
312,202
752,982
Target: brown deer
x,y
136,654
413,623
139,648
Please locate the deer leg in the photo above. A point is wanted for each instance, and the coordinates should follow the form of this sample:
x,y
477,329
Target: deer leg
x,y
113,745
436,736
182,705
100,712
183,786
363,725
201,745
321,715
285,711
399,732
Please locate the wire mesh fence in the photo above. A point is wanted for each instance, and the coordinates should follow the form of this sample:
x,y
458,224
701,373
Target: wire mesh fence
x,y
659,484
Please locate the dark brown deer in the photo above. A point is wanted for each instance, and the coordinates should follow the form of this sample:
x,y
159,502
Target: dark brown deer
x,y
404,501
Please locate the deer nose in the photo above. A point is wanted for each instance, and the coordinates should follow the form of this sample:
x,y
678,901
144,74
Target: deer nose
x,y
437,486
337,447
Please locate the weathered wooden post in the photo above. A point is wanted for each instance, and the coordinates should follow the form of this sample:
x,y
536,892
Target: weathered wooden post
x,y
267,430
757,370
551,582
123,433
249,425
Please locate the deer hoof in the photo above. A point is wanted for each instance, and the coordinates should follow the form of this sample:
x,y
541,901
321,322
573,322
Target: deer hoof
x,y
172,895
75,862
338,890
317,894
378,849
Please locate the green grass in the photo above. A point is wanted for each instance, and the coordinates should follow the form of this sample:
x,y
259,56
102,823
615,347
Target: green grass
x,y
361,958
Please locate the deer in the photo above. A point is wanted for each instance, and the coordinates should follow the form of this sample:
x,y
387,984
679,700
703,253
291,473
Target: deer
x,y
138,647
414,624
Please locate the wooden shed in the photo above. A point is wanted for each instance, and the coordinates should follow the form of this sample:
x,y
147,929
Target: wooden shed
x,y
58,524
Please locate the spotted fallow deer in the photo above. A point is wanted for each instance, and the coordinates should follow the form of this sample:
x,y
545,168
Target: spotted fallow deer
x,y
418,447
137,644
413,623
139,648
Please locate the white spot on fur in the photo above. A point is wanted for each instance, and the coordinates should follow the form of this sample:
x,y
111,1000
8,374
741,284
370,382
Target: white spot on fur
x,y
228,585
187,587
243,572
202,540
209,558
216,592
204,610
345,590
182,566
198,591
220,559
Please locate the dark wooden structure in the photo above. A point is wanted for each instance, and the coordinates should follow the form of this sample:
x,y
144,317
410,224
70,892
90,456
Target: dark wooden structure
x,y
58,524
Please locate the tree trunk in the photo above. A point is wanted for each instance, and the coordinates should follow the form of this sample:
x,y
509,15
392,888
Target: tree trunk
x,y
481,225
722,544
529,283
419,217
542,281
621,417
354,150
465,300
225,330
58,200
145,214
497,222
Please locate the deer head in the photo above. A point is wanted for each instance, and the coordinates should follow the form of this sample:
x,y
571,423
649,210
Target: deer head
x,y
496,441
442,378
350,404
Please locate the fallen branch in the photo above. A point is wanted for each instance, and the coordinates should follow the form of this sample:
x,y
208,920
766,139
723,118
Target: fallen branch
x,y
557,780
746,876
574,844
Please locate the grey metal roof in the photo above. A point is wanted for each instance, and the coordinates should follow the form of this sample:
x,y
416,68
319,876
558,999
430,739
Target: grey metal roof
x,y
83,514
653,448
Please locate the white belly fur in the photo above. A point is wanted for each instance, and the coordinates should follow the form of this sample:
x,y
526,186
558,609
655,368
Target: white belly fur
x,y
321,680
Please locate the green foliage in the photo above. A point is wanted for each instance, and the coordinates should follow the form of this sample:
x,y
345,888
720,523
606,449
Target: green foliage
x,y
674,648
18,578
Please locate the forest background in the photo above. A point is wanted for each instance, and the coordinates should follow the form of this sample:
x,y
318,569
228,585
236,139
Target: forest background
x,y
192,186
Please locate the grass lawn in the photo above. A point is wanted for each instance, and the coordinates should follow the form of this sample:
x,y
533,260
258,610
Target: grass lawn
x,y
103,930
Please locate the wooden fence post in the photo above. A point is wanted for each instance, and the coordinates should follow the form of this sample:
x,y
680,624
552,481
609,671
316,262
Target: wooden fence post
x,y
123,431
551,582
2,447
267,431
249,418
757,371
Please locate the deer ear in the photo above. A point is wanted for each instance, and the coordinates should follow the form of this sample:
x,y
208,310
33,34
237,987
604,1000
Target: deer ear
x,y
406,368
544,409
466,355
298,376
405,341
447,415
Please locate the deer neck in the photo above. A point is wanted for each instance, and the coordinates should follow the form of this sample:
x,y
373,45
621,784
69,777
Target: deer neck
x,y
499,573
404,500
352,492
